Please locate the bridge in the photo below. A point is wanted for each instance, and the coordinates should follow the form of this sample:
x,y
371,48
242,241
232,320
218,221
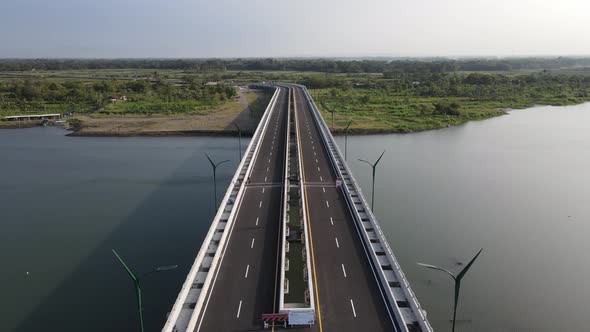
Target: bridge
x,y
294,244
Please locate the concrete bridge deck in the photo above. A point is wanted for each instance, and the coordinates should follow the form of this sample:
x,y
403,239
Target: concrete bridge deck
x,y
357,283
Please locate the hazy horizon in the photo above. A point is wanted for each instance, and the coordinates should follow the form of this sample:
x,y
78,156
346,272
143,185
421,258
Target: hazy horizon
x,y
261,29
326,57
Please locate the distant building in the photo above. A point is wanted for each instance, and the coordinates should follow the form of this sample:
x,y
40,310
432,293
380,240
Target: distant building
x,y
211,83
32,117
115,98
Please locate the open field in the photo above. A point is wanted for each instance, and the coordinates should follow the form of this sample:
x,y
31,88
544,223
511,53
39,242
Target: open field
x,y
245,111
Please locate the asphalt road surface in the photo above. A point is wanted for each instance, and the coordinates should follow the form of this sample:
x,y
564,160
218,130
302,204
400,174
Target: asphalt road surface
x,y
347,291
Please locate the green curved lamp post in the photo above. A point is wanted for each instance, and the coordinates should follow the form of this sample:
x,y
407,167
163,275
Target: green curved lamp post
x,y
214,165
239,139
346,140
137,284
374,166
457,278
331,110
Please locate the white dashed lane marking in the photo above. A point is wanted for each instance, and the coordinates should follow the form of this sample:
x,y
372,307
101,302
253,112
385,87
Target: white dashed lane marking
x,y
239,308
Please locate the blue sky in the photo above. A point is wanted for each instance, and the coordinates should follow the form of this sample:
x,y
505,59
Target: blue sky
x,y
265,28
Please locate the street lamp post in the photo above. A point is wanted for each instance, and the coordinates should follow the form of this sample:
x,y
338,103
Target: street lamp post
x,y
239,139
137,284
214,165
331,111
457,280
374,166
346,140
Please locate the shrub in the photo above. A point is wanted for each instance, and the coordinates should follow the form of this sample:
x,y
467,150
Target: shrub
x,y
447,108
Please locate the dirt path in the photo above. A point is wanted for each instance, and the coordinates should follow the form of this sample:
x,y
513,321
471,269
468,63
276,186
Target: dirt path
x,y
218,121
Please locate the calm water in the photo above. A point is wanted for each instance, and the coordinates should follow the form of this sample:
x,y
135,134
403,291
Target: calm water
x,y
515,185
66,202
518,186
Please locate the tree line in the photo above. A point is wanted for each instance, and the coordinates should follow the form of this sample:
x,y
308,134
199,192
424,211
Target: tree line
x,y
25,94
386,66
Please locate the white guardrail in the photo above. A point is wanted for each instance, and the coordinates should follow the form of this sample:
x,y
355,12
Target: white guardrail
x,y
395,288
189,302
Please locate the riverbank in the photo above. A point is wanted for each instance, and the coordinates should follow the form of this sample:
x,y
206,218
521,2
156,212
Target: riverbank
x,y
221,123
175,133
374,128
202,126
380,113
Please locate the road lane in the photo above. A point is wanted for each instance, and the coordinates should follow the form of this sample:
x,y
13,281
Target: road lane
x,y
348,293
245,286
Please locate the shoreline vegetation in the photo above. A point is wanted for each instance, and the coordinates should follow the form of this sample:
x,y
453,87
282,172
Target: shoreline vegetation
x,y
184,97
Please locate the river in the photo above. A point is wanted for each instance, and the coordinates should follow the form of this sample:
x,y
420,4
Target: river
x,y
516,186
